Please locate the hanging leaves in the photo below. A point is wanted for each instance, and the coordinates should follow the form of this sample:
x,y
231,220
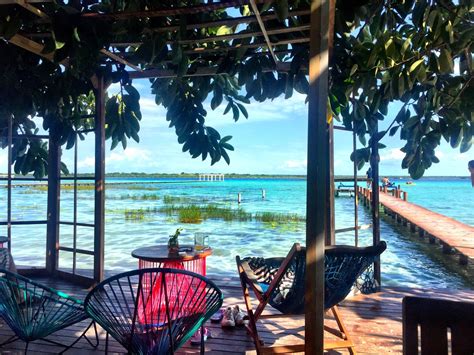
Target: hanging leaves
x,y
407,52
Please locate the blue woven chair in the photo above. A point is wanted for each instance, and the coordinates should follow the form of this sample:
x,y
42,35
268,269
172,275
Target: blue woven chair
x,y
280,282
153,311
34,311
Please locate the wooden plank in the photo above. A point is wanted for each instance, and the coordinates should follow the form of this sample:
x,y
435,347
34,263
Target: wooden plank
x,y
449,231
254,7
234,21
99,197
31,46
54,210
119,59
317,185
228,37
173,11
26,4
374,321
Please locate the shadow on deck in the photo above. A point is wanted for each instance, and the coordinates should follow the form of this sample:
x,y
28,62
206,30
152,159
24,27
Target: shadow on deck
x,y
374,321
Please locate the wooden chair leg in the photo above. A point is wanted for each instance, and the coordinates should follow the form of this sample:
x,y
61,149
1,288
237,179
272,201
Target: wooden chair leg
x,y
343,329
252,326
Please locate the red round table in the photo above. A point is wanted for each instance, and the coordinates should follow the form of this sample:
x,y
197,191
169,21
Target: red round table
x,y
157,256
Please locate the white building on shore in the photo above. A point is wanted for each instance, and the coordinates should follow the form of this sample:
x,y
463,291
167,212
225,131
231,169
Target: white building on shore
x,y
211,177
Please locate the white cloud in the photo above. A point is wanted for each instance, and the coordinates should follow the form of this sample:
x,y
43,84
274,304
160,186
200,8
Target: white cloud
x,y
296,164
3,161
131,154
393,154
88,162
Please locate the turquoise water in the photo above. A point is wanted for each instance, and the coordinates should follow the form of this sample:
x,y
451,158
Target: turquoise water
x,y
403,264
453,197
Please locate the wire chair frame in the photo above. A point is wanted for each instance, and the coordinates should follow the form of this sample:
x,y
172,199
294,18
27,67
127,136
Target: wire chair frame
x,y
33,311
155,310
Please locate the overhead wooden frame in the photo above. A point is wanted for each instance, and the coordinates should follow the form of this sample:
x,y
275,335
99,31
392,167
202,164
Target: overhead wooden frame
x,y
211,48
213,52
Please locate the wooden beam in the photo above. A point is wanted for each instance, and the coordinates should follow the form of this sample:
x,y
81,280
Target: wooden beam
x,y
203,71
228,22
119,59
12,2
31,8
204,50
99,197
228,37
30,46
54,200
264,30
183,10
317,226
374,164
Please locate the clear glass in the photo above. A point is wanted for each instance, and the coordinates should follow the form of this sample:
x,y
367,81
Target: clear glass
x,y
201,241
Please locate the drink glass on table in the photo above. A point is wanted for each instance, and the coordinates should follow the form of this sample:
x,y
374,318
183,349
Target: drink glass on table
x,y
201,241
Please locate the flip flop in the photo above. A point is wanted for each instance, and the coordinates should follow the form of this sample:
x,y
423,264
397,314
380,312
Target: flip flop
x,y
196,338
217,317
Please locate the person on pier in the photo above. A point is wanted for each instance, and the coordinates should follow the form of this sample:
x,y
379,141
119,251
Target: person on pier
x,y
369,177
470,166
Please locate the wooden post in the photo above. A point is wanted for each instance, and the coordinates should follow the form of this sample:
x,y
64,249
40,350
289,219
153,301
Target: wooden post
x,y
9,183
54,193
331,235
356,188
317,183
374,164
239,198
99,212
405,196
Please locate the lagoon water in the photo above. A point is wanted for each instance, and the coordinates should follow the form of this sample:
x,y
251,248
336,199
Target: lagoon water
x,y
405,263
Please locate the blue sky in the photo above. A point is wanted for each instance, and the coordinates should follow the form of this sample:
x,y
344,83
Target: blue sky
x,y
272,141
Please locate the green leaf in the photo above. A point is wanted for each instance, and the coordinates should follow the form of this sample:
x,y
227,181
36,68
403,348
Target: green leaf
x,y
415,65
226,139
134,94
235,112
353,69
225,156
227,109
446,61
12,26
243,109
456,137
281,7
224,30
393,131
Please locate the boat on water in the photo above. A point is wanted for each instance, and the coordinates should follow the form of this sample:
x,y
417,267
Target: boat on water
x,y
410,183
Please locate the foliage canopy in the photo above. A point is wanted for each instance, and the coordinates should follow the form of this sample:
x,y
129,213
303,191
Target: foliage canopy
x,y
415,52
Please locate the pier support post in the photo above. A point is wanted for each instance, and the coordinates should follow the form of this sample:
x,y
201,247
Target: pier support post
x,y
463,259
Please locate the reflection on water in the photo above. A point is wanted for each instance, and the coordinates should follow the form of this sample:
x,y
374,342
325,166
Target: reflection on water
x,y
403,264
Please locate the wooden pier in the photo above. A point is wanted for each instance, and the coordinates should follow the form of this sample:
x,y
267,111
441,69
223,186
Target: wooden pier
x,y
455,237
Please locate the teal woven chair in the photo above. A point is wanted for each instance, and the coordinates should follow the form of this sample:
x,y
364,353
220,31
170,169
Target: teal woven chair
x,y
153,311
34,311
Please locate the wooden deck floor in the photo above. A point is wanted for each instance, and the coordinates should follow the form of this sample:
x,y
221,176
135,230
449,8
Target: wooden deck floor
x,y
373,320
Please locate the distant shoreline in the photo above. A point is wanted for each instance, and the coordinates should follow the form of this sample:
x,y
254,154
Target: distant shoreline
x,y
242,176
